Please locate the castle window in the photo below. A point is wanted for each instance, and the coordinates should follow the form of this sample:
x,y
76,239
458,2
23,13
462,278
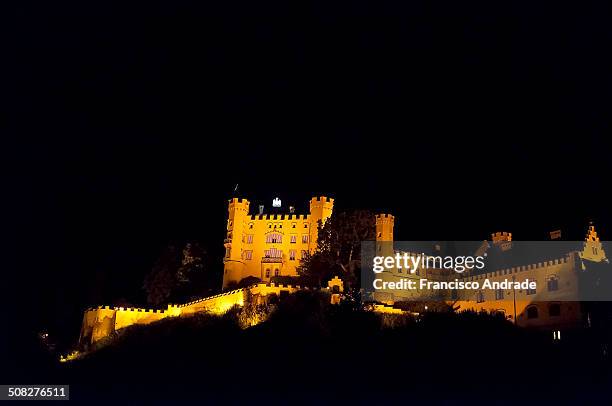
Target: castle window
x,y
274,238
554,310
250,226
276,272
532,312
304,254
305,225
499,294
305,238
269,225
227,252
292,255
249,239
552,283
267,273
480,296
248,255
273,253
379,235
399,270
293,225
230,223
293,238
531,291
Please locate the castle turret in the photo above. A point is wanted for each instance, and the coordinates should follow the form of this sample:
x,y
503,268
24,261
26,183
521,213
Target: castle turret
x,y
384,227
593,248
238,211
320,210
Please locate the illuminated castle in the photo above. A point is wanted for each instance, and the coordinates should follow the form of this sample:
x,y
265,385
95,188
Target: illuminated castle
x,y
263,246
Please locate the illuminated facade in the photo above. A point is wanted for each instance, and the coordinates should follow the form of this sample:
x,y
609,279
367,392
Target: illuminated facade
x,y
555,277
263,246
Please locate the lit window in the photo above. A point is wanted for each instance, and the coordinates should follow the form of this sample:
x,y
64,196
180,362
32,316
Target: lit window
x,y
304,254
292,255
552,283
273,238
499,294
293,238
305,239
531,291
273,253
249,239
248,255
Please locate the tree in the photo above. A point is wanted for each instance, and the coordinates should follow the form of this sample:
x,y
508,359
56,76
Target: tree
x,y
178,275
162,281
339,248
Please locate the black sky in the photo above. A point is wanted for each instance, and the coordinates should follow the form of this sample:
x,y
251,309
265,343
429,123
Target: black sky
x,y
127,126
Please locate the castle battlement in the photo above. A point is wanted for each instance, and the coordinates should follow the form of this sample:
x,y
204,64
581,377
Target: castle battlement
x,y
384,216
508,271
322,199
284,217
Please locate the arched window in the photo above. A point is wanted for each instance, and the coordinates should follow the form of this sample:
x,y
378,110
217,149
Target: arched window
x,y
267,273
532,312
273,238
276,272
554,310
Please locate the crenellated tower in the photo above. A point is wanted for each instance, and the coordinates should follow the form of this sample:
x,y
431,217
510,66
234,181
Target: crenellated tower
x,y
320,210
238,212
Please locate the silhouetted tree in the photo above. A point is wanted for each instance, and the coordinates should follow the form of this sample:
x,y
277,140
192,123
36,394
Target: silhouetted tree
x,y
339,247
162,281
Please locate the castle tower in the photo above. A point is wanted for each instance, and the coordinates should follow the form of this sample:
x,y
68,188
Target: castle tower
x,y
502,240
238,211
320,210
384,227
593,248
384,234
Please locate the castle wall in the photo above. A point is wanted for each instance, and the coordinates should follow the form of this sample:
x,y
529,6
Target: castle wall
x,y
103,321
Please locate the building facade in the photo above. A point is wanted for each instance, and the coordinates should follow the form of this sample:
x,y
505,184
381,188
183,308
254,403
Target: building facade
x,y
557,277
263,246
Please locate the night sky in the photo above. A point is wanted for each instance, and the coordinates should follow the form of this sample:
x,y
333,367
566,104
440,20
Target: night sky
x,y
127,126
